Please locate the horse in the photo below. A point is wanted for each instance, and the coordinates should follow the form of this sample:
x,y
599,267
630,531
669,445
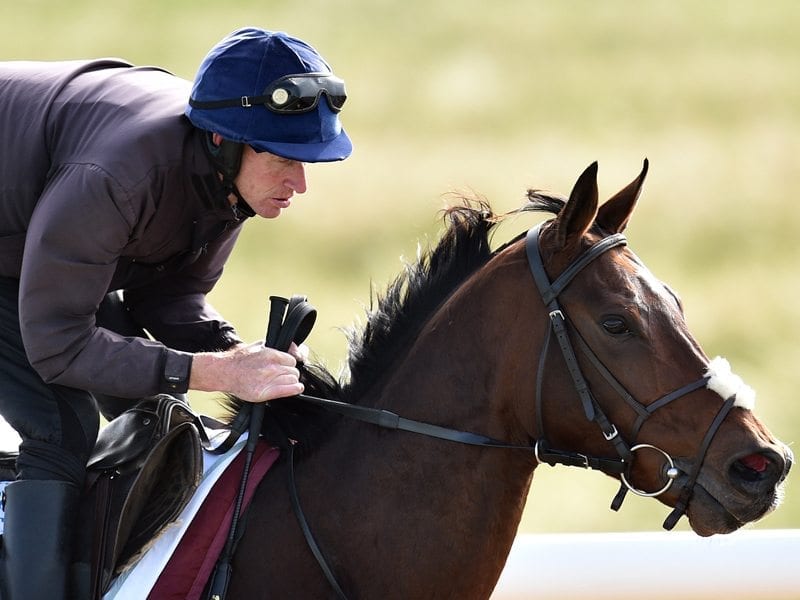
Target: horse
x,y
558,347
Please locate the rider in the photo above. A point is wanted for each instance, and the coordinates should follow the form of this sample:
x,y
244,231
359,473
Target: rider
x,y
119,206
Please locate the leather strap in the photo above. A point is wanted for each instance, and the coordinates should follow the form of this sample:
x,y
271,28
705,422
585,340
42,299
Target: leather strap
x,y
686,494
390,420
611,466
307,534
289,321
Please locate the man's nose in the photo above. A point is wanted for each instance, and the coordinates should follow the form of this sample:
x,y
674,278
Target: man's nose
x,y
297,178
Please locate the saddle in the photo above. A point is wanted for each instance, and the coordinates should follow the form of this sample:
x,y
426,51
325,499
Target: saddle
x,y
145,468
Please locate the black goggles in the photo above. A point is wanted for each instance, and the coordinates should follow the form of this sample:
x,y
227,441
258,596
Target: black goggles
x,y
290,94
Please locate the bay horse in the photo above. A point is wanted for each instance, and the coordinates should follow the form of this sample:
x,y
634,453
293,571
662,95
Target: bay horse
x,y
559,347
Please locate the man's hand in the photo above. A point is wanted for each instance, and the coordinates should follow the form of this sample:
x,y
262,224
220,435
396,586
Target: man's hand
x,y
251,372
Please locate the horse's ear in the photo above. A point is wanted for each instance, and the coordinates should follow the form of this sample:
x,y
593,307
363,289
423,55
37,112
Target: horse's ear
x,y
614,215
579,212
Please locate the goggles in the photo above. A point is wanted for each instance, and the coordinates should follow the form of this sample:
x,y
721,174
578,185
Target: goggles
x,y
290,94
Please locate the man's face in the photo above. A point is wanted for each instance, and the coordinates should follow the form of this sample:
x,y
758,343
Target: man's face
x,y
267,182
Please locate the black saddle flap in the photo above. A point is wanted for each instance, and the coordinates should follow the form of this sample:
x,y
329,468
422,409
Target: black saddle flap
x,y
125,442
146,466
161,489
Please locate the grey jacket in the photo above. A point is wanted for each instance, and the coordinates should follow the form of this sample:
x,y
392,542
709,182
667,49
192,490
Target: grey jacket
x,y
105,185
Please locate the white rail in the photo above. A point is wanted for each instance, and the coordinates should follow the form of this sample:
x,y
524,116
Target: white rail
x,y
751,565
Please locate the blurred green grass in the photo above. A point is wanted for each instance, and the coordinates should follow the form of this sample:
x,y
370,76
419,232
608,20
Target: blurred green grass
x,y
492,99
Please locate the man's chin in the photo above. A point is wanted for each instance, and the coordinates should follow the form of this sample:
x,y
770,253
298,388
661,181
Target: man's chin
x,y
272,208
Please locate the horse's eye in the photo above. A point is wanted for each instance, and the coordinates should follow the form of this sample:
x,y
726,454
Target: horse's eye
x,y
616,326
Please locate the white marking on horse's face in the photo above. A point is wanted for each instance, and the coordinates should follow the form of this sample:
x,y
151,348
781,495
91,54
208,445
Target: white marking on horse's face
x,y
726,384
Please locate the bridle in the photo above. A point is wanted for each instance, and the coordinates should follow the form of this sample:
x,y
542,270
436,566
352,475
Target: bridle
x,y
550,292
620,466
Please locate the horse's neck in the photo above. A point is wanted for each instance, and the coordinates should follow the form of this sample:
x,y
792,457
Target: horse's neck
x,y
472,357
463,501
472,366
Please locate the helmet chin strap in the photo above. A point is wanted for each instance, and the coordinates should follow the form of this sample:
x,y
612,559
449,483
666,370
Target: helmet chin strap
x,y
241,208
227,158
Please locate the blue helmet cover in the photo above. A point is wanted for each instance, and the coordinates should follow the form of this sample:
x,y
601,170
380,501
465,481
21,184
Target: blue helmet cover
x,y
244,64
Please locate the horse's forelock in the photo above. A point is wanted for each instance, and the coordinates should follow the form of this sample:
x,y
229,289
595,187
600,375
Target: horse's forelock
x,y
542,201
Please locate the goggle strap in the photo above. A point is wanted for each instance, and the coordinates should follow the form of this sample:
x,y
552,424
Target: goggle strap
x,y
243,102
249,102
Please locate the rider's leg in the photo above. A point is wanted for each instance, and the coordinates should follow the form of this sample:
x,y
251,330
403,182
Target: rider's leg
x,y
58,427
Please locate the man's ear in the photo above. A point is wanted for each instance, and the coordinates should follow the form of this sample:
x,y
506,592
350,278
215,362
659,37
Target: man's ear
x,y
216,139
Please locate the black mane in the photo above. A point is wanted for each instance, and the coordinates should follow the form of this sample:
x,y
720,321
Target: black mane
x,y
416,293
396,318
421,288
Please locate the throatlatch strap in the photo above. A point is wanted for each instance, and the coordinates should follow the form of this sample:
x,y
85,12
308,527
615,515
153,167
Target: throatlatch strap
x,y
540,384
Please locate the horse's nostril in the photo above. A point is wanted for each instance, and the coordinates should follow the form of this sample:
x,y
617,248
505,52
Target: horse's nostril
x,y
741,470
755,462
758,467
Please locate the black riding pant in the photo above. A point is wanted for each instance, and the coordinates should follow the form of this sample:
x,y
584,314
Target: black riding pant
x,y
58,425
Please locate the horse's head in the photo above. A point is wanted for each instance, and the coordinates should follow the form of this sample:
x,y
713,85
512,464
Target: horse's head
x,y
686,429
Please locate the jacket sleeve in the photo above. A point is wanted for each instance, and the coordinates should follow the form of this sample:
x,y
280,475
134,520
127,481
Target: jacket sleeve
x,y
78,230
175,310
